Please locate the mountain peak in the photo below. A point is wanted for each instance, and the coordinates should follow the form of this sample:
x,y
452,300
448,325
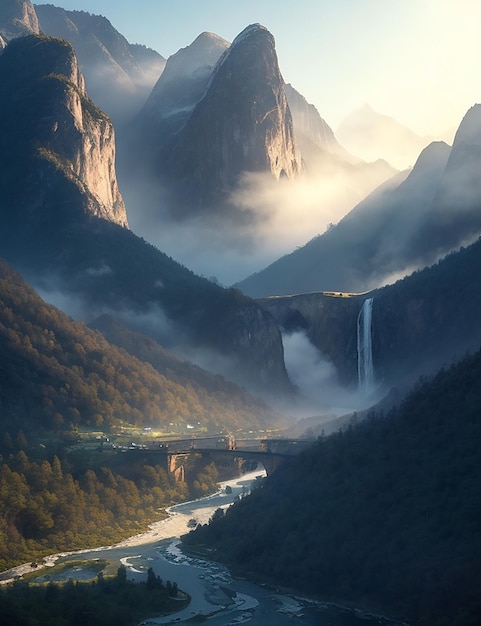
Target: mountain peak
x,y
469,131
203,52
17,18
70,152
185,77
372,135
251,30
217,116
432,158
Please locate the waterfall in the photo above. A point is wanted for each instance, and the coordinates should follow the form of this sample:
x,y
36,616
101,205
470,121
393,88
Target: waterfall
x,y
365,368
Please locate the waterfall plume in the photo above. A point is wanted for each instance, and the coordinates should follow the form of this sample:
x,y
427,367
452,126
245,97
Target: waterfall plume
x,y
365,367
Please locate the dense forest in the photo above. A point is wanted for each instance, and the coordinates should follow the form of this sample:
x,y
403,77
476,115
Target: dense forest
x,y
55,372
52,503
385,514
58,378
122,602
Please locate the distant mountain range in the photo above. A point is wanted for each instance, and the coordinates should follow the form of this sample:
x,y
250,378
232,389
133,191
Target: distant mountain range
x,y
65,225
119,75
411,221
372,135
218,149
218,113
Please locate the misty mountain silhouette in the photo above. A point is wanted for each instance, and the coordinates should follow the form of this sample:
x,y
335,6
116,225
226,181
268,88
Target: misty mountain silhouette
x,y
217,111
409,222
63,222
372,135
119,75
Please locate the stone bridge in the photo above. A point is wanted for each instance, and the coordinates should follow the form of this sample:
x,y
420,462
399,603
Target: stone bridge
x,y
270,452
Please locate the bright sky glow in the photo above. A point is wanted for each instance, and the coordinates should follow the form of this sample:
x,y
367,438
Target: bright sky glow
x,y
418,61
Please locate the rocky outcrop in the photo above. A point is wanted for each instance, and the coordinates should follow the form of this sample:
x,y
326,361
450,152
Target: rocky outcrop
x,y
119,75
67,144
217,113
62,221
242,124
419,324
17,18
329,321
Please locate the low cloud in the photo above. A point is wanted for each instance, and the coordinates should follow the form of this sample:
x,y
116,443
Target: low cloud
x,y
316,378
267,219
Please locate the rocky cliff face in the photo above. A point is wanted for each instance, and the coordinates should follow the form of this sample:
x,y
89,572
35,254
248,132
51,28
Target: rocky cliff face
x,y
119,75
17,18
328,321
217,112
419,324
242,124
62,221
66,143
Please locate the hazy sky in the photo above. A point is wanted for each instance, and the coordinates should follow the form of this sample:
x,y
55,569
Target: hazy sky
x,y
416,60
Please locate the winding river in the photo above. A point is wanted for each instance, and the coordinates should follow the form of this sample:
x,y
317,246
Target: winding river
x,y
213,591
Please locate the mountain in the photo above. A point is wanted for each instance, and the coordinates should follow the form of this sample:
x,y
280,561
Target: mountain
x,y
378,239
419,324
59,143
54,369
240,121
312,130
119,75
65,228
456,208
325,159
403,225
372,135
383,516
17,18
183,82
198,167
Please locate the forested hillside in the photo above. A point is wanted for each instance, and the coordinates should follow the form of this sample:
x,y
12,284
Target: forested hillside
x,y
58,377
384,515
55,373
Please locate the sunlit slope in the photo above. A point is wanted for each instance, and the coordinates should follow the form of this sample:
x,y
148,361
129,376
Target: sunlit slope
x,y
404,225
56,372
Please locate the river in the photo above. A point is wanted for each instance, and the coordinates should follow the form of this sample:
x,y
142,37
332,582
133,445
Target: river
x,y
213,591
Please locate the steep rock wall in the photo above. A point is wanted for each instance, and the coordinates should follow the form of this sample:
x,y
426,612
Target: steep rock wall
x,y
421,323
17,18
66,141
243,123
